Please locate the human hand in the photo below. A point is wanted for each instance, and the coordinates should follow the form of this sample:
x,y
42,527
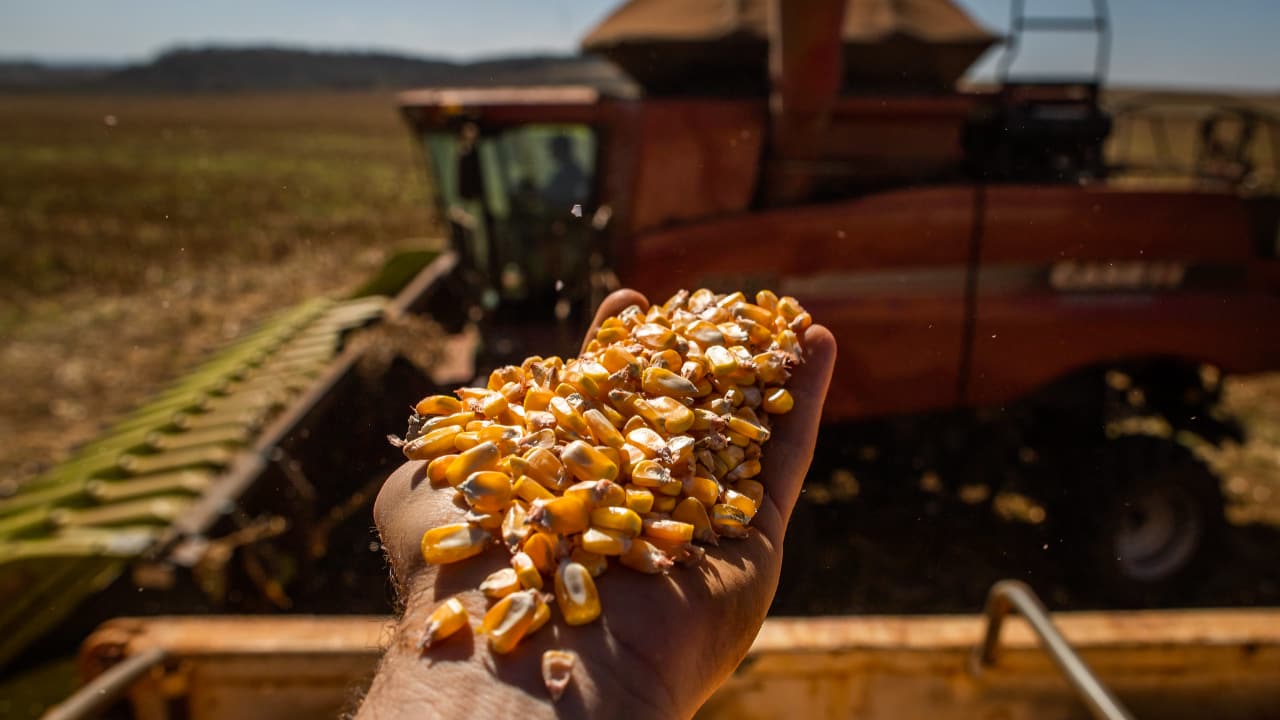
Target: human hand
x,y
663,644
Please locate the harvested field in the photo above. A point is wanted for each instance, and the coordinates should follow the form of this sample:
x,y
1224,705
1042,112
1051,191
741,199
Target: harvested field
x,y
136,233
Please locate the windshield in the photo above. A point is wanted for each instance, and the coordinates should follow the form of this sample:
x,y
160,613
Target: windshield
x,y
515,199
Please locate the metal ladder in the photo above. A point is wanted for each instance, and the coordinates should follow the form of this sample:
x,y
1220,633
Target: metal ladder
x,y
1020,22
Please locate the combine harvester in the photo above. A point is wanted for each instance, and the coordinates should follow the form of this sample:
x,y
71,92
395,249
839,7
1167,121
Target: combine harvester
x,y
1012,316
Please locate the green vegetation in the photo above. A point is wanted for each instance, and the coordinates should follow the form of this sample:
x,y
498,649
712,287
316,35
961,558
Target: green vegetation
x,y
136,233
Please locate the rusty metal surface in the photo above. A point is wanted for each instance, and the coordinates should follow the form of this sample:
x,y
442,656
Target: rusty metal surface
x,y
1167,664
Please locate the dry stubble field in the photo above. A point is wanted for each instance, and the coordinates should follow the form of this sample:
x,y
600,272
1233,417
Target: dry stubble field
x,y
137,233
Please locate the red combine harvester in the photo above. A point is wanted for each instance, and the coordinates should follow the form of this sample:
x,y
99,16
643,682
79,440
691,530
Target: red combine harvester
x,y
1011,316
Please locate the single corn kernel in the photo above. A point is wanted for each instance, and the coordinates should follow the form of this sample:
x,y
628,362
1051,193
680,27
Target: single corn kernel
x,y
541,549
740,501
676,418
507,622
500,583
432,445
587,463
515,524
526,571
643,556
438,405
751,489
459,418
767,300
444,621
487,491
748,429
669,530
640,500
605,542
778,401
703,489
576,594
557,671
483,456
664,503
664,383
692,511
616,518
454,542
546,468
537,399
436,470
654,336
729,521
527,489
744,470
722,361
649,441
568,417
560,515
602,429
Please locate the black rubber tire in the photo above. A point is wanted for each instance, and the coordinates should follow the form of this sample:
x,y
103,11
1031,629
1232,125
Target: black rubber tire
x,y
1142,525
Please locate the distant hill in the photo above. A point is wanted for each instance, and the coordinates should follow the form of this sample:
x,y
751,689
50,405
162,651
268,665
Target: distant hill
x,y
215,69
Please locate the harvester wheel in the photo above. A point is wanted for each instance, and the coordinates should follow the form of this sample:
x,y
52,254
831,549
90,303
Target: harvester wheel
x,y
1145,524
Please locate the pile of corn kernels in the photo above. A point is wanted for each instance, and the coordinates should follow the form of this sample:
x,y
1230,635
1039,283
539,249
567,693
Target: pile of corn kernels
x,y
645,448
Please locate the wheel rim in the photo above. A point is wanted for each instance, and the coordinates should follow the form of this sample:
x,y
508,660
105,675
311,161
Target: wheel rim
x,y
1158,533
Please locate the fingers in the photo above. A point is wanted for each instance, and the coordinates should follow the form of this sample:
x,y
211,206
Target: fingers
x,y
788,453
617,301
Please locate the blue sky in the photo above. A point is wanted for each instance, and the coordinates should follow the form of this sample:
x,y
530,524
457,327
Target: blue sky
x,y
1201,43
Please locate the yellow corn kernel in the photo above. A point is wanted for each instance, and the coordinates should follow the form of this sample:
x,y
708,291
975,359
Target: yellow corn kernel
x,y
560,515
664,503
436,470
729,521
487,491
789,308
693,512
541,549
593,492
640,500
659,381
676,418
731,456
754,313
704,333
515,525
745,469
466,440
737,439
453,542
740,501
669,530
789,343
751,489
507,622
631,456
438,405
576,594
444,621
749,429
433,444
635,422
587,463
703,489
595,563
500,583
526,570
546,468
505,375
643,556
616,518
541,614
568,417
528,489
537,399
650,442
486,520
700,300
778,401
680,450
602,429
654,336
459,418
651,474
617,358
767,300
610,335
644,410
605,542
721,361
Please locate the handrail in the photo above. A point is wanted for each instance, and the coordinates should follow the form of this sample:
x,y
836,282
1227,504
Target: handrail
x,y
104,690
1009,595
